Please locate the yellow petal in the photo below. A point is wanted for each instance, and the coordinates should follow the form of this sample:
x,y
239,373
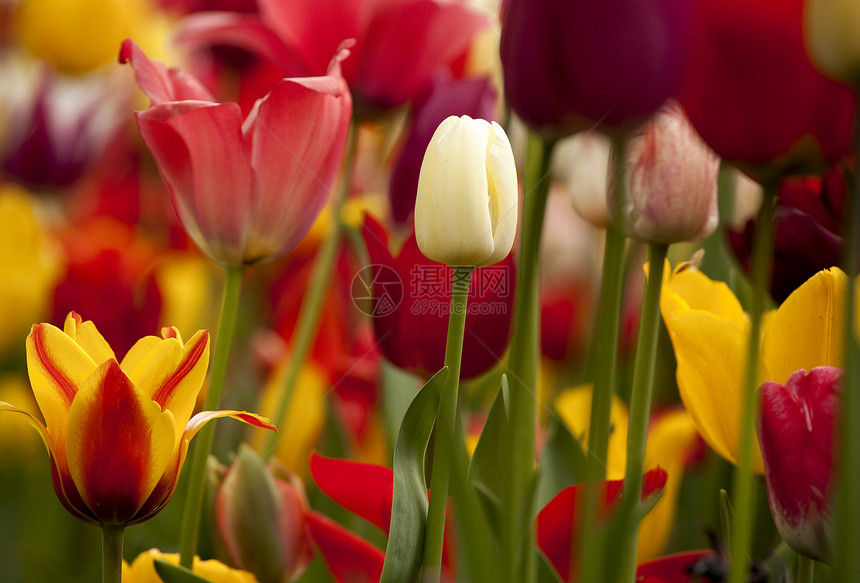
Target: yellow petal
x,y
57,367
93,343
692,289
172,374
711,356
574,408
808,327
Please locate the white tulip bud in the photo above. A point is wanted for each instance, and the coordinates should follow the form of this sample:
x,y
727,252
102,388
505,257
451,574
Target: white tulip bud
x,y
466,207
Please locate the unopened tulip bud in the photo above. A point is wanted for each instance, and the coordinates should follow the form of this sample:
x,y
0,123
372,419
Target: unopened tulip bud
x,y
797,434
261,519
670,192
466,207
832,39
582,165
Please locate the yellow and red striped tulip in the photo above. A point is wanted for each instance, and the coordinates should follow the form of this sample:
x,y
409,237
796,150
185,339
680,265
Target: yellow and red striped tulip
x,y
117,432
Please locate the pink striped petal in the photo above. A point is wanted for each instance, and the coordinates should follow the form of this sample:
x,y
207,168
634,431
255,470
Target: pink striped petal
x,y
119,444
158,82
203,157
298,136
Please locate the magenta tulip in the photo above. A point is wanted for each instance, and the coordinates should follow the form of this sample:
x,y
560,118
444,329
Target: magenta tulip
x,y
570,64
246,191
797,432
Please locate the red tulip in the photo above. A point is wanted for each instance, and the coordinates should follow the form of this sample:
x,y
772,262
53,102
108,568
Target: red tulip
x,y
401,45
753,95
349,558
412,296
557,526
797,433
572,63
246,191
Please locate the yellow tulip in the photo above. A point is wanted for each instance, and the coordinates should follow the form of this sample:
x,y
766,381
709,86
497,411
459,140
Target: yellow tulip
x,y
30,263
709,332
466,206
78,36
142,569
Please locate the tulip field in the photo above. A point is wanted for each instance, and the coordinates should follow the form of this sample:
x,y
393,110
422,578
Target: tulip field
x,y
434,291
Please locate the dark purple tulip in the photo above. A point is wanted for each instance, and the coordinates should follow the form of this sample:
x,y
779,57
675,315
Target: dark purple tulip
x,y
474,97
570,64
808,222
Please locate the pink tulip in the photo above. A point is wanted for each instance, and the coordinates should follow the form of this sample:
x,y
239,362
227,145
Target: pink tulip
x,y
671,190
797,433
246,191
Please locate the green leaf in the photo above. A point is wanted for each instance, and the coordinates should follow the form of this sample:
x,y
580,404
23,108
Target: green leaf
x,y
563,463
409,504
171,573
486,472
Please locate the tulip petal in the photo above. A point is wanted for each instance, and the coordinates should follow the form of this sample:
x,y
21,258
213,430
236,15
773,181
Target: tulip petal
x,y
199,149
452,187
119,443
158,82
350,559
88,338
197,422
57,367
173,374
808,328
692,289
711,355
298,134
504,193
364,489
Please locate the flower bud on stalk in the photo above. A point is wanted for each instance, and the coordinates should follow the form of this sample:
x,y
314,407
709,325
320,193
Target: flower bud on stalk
x,y
670,193
797,429
466,207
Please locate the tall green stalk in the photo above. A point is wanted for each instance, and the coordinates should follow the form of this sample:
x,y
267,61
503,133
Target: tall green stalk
x,y
640,413
189,529
312,302
112,536
846,562
517,529
605,359
445,427
743,482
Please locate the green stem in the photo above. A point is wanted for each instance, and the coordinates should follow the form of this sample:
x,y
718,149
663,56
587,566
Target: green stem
x,y
605,350
112,553
312,302
517,505
189,530
640,411
605,358
743,482
846,562
805,569
445,426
